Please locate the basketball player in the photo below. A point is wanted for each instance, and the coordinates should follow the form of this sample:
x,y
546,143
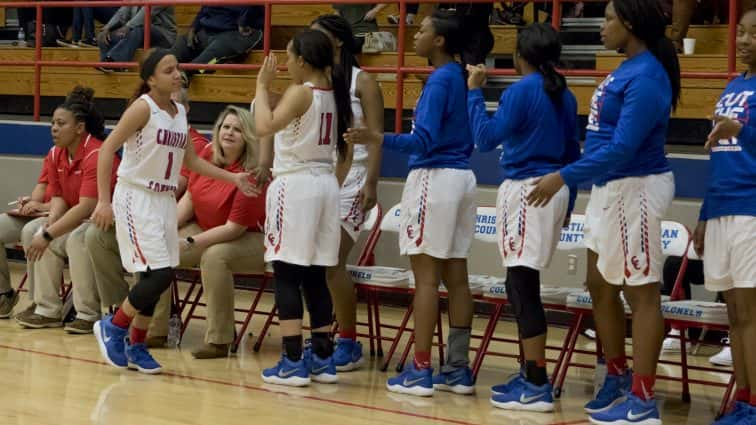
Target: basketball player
x,y
726,232
536,123
154,131
359,191
302,212
633,187
438,208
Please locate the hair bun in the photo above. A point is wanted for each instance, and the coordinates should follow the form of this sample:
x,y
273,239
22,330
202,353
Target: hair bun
x,y
81,95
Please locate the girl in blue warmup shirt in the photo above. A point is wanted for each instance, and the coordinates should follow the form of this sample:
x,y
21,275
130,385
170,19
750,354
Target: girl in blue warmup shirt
x,y
537,125
438,208
633,187
726,233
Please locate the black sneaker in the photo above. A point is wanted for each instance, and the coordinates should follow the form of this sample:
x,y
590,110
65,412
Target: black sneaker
x,y
87,43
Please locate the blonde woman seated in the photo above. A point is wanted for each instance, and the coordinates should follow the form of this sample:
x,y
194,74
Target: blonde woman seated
x,y
220,227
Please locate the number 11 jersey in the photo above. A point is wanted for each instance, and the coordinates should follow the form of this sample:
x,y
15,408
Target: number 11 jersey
x,y
152,157
308,142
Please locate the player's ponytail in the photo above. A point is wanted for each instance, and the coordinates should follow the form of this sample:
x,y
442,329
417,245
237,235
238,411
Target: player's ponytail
x,y
539,45
339,28
647,20
80,102
316,49
147,70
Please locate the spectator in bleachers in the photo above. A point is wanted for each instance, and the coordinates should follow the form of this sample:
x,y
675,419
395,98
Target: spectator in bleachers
x,y
16,226
362,19
83,25
221,228
684,11
77,130
124,33
409,19
220,34
56,21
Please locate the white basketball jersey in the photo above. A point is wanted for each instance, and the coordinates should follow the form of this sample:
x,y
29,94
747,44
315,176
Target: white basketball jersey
x,y
309,141
153,156
360,151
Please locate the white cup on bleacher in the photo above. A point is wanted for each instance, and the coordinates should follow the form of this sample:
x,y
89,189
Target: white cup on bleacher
x,y
689,46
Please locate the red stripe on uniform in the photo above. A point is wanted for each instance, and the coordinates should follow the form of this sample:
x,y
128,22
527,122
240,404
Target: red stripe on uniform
x,y
423,207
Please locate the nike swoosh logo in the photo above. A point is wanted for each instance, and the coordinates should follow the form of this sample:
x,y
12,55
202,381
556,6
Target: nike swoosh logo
x,y
527,400
411,382
107,338
319,370
453,381
633,417
287,373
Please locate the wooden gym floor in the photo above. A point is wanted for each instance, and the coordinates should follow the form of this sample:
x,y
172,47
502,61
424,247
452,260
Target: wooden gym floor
x,y
50,377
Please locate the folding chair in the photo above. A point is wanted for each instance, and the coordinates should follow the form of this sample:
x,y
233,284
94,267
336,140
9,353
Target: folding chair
x,y
685,314
675,240
373,222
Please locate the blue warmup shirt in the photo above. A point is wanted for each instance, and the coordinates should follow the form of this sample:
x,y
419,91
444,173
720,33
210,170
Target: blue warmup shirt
x,y
732,189
440,135
538,136
627,125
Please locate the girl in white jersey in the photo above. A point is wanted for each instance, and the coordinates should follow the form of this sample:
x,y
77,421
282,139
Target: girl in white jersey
x,y
155,133
359,191
302,212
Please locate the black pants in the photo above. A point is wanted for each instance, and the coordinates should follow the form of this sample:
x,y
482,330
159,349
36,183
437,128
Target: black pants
x,y
221,46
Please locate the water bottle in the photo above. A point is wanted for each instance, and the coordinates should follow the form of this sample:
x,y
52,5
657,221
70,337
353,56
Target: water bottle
x,y
21,38
174,331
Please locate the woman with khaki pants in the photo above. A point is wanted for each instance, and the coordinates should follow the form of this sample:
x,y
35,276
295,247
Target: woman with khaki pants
x,y
220,227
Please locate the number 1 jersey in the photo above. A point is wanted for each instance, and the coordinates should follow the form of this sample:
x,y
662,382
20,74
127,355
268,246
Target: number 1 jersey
x,y
309,141
152,157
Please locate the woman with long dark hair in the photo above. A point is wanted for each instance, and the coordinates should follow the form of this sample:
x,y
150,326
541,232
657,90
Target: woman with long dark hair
x,y
633,187
359,191
536,123
302,213
438,208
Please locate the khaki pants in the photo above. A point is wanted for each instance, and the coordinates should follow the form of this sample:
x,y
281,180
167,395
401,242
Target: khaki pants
x,y
111,284
217,265
48,272
14,230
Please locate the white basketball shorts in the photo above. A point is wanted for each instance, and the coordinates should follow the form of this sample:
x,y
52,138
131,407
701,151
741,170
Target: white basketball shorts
x,y
350,210
527,236
438,213
302,219
729,258
146,228
623,226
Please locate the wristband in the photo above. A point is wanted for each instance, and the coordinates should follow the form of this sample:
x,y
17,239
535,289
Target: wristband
x,y
190,240
48,237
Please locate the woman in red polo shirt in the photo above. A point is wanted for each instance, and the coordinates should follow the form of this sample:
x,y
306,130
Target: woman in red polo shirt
x,y
77,130
220,227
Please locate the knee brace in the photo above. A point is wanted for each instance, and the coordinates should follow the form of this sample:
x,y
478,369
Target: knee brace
x,y
318,297
524,294
147,291
288,292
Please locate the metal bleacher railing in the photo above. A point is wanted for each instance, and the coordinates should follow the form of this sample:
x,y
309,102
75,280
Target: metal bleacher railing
x,y
399,68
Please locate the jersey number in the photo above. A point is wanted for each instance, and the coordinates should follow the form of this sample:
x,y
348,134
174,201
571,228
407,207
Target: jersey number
x,y
325,137
169,168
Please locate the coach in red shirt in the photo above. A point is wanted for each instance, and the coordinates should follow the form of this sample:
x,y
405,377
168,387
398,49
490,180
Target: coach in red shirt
x,y
77,129
221,227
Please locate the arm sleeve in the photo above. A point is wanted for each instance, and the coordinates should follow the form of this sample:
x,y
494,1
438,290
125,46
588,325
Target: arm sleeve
x,y
572,150
428,116
44,175
637,119
703,214
118,19
55,189
490,132
248,211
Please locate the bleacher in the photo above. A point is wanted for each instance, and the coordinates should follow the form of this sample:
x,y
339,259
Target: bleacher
x,y
237,86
